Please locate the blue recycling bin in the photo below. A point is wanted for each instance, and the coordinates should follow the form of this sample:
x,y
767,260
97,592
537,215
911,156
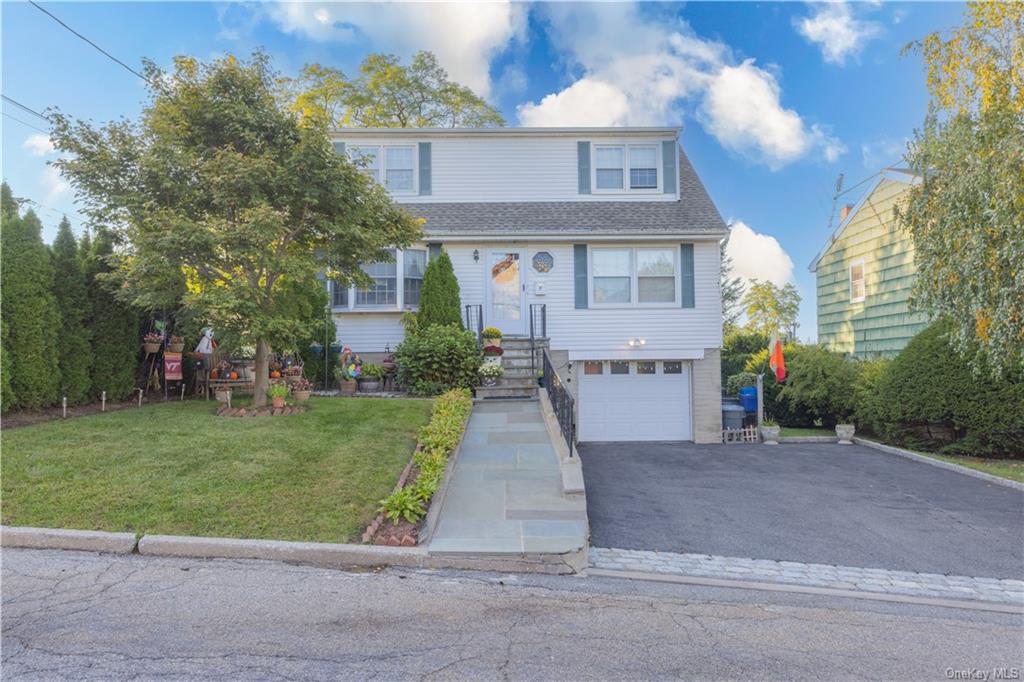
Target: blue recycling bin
x,y
748,398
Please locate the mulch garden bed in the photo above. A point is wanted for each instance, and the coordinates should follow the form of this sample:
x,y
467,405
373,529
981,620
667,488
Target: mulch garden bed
x,y
15,419
268,411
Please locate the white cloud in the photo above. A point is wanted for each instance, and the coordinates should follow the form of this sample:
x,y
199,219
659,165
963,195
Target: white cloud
x,y
53,183
758,256
884,152
463,36
639,69
38,144
836,31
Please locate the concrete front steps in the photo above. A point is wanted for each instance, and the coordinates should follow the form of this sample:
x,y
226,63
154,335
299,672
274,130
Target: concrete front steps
x,y
520,378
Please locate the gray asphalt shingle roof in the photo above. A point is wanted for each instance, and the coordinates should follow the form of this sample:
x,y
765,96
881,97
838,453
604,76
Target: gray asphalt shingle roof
x,y
694,212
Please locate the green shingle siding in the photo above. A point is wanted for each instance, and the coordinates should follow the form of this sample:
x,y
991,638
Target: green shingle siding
x,y
883,323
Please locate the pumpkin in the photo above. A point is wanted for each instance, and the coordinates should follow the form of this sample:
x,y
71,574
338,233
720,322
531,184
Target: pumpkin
x,y
214,373
234,375
275,374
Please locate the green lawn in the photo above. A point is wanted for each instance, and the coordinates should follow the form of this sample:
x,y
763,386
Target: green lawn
x,y
1012,469
176,468
793,431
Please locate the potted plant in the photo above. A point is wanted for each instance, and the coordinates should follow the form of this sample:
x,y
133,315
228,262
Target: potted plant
x,y
770,432
277,392
492,354
370,377
490,374
491,336
844,432
346,383
292,374
301,389
151,342
176,344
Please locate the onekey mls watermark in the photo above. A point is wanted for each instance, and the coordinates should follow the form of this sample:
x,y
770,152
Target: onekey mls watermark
x,y
983,674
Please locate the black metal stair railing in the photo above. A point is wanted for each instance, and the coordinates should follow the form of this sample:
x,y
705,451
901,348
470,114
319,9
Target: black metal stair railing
x,y
473,319
561,402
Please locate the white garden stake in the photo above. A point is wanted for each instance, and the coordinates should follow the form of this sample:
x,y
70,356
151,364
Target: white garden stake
x,y
140,396
103,402
183,391
64,406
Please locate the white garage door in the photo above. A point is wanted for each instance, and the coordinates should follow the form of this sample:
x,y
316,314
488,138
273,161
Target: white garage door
x,y
635,400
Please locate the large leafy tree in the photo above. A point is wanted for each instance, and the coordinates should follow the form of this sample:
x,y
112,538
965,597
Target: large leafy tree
x,y
965,216
771,309
72,297
387,94
220,185
30,315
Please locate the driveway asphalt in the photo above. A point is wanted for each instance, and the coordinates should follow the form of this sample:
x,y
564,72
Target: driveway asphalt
x,y
814,503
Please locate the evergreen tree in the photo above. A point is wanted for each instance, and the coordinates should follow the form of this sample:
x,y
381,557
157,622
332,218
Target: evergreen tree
x,y
114,327
439,297
30,314
73,300
8,211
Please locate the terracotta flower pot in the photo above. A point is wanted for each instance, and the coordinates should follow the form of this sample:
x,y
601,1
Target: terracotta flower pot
x,y
300,396
277,401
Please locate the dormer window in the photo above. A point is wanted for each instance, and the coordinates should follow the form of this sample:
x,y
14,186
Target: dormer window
x,y
392,165
368,158
626,168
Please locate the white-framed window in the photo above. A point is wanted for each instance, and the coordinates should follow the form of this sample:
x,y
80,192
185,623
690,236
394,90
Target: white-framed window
x,y
392,165
641,276
626,168
858,288
396,285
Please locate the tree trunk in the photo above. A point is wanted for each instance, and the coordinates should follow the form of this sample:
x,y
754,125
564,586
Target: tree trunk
x,y
262,370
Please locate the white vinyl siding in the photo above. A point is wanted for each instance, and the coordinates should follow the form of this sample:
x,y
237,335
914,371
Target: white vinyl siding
x,y
543,168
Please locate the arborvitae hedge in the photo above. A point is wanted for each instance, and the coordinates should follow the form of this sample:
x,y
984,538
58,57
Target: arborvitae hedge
x,y
439,298
72,297
29,310
114,327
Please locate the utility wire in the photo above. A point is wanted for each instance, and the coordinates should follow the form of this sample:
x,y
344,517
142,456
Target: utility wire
x,y
24,108
100,49
25,123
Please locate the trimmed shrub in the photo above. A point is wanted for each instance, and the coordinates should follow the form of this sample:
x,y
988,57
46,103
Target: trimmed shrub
x,y
73,300
30,314
930,398
439,297
115,328
438,358
866,404
820,383
737,381
737,348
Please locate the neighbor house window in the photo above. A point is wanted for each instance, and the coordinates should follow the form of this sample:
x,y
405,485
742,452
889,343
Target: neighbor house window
x,y
413,267
368,159
398,168
612,275
857,288
384,290
643,168
609,167
651,273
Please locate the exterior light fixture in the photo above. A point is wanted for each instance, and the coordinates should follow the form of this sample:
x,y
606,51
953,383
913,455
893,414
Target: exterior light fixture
x,y
636,342
476,255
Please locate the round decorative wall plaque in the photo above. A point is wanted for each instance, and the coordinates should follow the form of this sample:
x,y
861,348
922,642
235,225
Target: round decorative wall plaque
x,y
543,261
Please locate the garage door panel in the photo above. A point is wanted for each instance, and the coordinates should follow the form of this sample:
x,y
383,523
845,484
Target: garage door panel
x,y
633,407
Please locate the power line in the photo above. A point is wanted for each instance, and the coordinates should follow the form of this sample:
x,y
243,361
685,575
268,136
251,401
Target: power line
x,y
100,49
24,108
25,123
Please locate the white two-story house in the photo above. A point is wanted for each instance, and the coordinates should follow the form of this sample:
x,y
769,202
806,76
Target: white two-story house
x,y
609,228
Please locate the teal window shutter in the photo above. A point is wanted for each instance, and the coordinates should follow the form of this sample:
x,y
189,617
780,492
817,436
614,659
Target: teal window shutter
x,y
339,147
583,168
433,250
669,164
425,168
579,253
686,270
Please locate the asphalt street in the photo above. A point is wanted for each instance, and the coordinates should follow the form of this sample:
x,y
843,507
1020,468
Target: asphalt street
x,y
70,615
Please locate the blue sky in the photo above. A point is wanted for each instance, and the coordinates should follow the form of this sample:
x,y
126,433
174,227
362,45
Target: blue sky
x,y
776,99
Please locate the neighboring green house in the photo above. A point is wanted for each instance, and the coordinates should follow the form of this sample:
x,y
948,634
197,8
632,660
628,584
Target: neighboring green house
x,y
865,274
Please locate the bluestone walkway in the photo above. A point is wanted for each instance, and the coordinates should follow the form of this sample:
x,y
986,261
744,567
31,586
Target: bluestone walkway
x,y
505,494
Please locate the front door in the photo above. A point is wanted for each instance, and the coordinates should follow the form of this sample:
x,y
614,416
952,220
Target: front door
x,y
506,293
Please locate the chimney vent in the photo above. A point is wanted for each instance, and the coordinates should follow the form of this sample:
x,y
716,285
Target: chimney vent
x,y
845,211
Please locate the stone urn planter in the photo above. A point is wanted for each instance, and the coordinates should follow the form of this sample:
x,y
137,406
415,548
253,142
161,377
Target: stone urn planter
x,y
844,432
300,396
770,434
369,385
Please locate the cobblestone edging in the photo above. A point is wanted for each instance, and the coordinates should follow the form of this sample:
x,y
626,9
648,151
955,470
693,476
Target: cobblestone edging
x,y
877,580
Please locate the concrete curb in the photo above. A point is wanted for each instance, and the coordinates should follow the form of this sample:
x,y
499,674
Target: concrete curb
x,y
808,439
59,538
900,452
